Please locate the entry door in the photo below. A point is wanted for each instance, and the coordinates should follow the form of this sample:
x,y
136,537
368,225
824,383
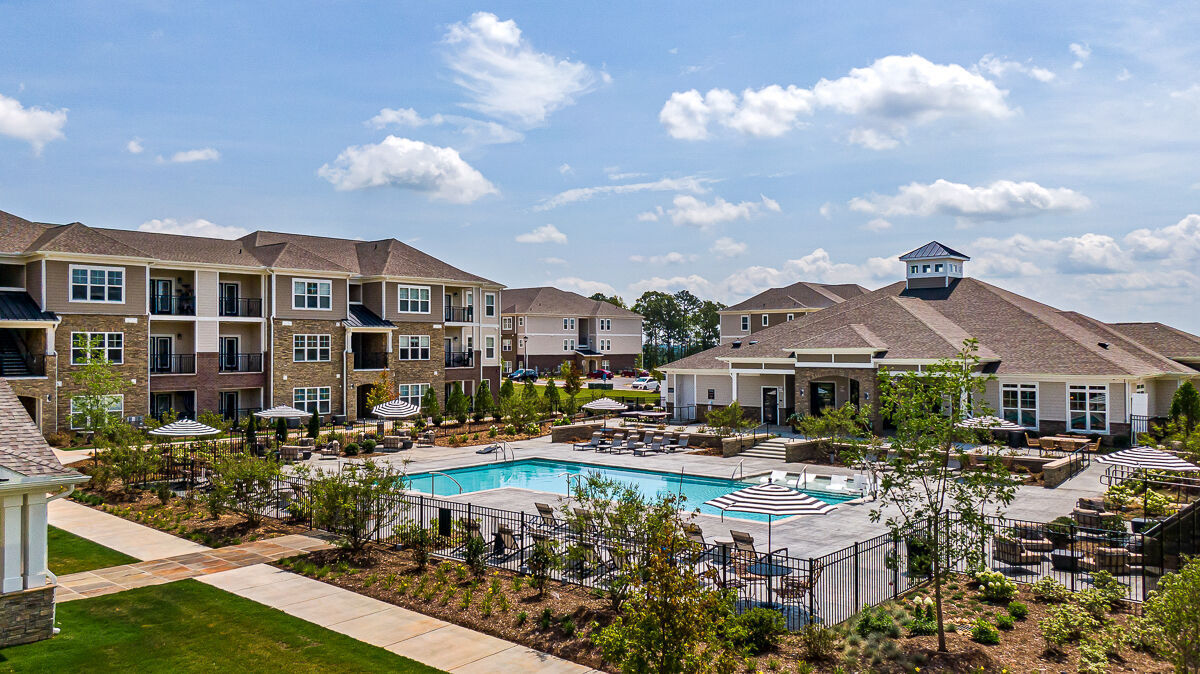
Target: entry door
x,y
163,295
229,299
854,392
770,406
160,353
229,354
229,404
160,403
821,396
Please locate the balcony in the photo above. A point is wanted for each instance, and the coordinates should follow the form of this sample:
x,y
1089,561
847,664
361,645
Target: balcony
x,y
173,305
240,362
240,307
460,358
370,360
172,363
459,314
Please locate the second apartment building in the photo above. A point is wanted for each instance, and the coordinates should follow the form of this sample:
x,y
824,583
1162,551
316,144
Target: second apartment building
x,y
543,327
197,324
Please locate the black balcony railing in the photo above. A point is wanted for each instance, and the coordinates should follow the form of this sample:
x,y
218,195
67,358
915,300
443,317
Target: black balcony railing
x,y
460,358
173,305
17,364
370,360
172,363
240,362
459,314
243,307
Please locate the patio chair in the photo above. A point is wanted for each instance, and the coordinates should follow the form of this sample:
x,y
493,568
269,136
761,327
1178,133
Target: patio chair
x,y
1048,445
680,443
1089,519
1113,560
594,443
547,519
695,534
1012,553
1031,441
586,518
471,529
583,562
1032,539
653,445
505,546
743,544
793,587
776,477
1093,447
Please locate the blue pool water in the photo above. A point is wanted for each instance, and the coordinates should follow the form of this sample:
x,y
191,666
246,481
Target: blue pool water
x,y
547,475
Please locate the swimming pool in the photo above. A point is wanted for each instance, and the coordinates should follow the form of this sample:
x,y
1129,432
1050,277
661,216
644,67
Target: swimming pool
x,y
548,475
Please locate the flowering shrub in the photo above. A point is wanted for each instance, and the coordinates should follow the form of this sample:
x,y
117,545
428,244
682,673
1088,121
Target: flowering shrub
x,y
995,586
924,621
1050,591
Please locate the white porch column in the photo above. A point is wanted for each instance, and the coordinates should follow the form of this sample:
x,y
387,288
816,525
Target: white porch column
x,y
50,330
733,376
10,539
35,541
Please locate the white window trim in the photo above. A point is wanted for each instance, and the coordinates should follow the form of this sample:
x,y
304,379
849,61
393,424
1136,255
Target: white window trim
x,y
104,347
1107,409
489,310
71,283
306,347
409,299
506,323
489,347
746,323
766,320
520,321
328,398
423,343
421,388
1037,402
318,281
791,317
506,345
71,409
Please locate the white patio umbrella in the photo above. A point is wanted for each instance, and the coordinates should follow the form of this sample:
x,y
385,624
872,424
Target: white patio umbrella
x,y
282,412
772,500
395,409
604,405
184,428
1148,458
991,423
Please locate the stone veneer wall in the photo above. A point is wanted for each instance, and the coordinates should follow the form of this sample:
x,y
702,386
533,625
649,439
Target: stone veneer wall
x,y
40,388
134,371
26,616
868,388
301,375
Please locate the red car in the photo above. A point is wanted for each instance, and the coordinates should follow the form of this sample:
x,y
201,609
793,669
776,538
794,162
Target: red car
x,y
635,373
600,374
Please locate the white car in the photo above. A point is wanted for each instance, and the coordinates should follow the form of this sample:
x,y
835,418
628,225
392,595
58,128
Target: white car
x,y
645,384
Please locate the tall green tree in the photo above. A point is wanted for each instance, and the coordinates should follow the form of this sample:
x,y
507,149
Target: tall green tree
x,y
314,425
706,325
1185,407
661,318
507,390
429,404
457,403
483,399
611,299
380,391
572,379
553,399
924,485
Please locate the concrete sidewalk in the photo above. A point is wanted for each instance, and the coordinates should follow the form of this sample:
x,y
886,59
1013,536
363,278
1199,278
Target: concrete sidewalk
x,y
397,629
131,538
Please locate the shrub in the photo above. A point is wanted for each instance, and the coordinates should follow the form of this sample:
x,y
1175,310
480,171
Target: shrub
x,y
1092,659
1018,610
1005,621
542,560
876,621
817,643
1094,602
756,630
1066,623
245,484
368,446
475,554
995,586
1050,591
1113,590
351,449
1174,606
984,632
352,504
163,491
545,620
59,439
521,618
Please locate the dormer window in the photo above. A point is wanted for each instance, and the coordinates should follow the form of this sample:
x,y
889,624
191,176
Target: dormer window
x,y
924,269
937,268
912,269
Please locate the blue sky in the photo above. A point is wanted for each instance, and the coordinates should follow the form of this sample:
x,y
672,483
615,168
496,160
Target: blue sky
x,y
719,147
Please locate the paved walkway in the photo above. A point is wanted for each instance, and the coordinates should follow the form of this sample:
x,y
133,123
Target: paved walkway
x,y
191,565
131,538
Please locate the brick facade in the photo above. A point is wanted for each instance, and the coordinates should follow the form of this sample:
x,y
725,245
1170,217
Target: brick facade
x,y
26,616
134,371
287,375
44,392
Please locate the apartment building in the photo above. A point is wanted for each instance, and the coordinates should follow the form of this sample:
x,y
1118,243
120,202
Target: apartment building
x,y
194,323
543,327
780,305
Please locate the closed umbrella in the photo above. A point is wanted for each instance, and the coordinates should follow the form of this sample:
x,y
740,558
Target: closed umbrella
x,y
395,409
771,500
184,428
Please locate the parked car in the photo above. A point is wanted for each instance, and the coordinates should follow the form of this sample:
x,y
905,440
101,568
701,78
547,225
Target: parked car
x,y
637,372
645,384
600,374
523,375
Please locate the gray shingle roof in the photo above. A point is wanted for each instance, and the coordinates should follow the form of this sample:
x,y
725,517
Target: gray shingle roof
x,y
23,450
933,249
1171,342
801,295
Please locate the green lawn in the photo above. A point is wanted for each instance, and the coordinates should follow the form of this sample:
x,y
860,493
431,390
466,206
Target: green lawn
x,y
187,626
71,554
588,394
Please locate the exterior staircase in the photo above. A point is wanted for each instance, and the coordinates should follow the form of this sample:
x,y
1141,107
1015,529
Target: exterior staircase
x,y
767,449
12,362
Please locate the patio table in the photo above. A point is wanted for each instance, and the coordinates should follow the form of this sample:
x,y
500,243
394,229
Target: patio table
x,y
1075,443
770,571
1066,560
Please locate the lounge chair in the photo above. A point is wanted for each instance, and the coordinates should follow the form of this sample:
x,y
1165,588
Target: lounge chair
x,y
1013,553
505,546
743,544
547,518
594,443
695,534
837,483
776,477
586,518
582,561
1031,441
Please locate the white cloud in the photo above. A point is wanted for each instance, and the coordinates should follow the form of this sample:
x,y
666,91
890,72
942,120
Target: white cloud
x,y
410,164
1124,75
543,234
826,210
877,225
887,96
134,146
553,260
198,227
689,210
477,132
654,215
583,286
627,175
999,67
1082,52
1001,200
189,156
1191,94
666,258
565,168
506,77
32,125
872,139
687,184
727,247
693,283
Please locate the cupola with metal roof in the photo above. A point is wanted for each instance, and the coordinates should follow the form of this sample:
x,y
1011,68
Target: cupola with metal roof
x,y
932,266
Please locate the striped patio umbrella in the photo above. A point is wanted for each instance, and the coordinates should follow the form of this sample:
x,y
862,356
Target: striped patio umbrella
x,y
772,500
1148,458
604,405
395,409
282,412
991,423
184,428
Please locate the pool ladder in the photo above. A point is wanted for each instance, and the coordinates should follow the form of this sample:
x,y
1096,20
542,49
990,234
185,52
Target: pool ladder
x,y
738,470
432,491
505,451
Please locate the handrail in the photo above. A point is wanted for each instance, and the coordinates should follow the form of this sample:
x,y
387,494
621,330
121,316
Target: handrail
x,y
434,472
505,449
738,469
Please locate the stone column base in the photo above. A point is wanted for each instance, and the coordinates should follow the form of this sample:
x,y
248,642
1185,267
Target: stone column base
x,y
26,616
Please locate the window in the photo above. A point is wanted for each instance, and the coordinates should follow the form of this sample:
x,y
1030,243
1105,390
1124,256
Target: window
x,y
568,324
313,399
766,320
489,347
745,324
1019,404
712,394
506,323
568,345
312,294
115,406
97,284
310,348
1087,408
606,324
791,317
413,347
111,345
606,345
520,321
506,345
412,299
412,393
937,268
506,366
912,269
489,305
924,269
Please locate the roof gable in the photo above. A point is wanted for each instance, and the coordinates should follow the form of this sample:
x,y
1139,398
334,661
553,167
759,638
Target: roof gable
x,y
23,450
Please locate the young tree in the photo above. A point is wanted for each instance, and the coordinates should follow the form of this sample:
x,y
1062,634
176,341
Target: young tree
x,y
429,404
314,425
245,484
483,400
251,433
356,505
100,383
1185,407
572,379
728,420
927,409
553,400
457,404
380,391
620,511
507,390
836,429
281,430
1173,609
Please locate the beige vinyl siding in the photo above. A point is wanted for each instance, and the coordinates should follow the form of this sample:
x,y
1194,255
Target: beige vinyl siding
x,y
183,335
731,326
372,297
250,287
207,292
1118,404
249,337
991,396
435,304
722,387
58,291
1160,399
750,388
283,299
1052,401
33,280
